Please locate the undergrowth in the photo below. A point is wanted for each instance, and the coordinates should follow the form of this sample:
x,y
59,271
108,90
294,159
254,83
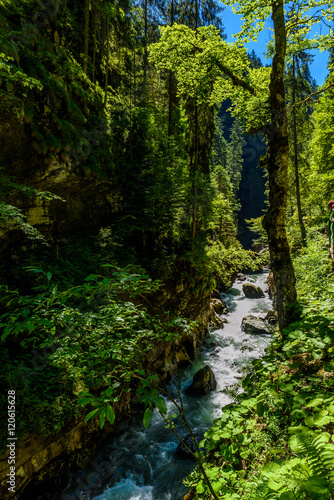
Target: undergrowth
x,y
68,347
276,440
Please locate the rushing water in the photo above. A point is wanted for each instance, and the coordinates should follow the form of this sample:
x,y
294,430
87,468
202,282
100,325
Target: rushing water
x,y
142,465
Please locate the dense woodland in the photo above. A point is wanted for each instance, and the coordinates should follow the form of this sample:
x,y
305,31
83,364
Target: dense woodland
x,y
146,140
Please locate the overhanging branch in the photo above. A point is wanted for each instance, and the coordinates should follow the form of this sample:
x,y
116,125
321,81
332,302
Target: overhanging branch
x,y
236,80
309,97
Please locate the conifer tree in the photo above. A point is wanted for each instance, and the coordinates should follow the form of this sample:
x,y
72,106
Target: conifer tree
x,y
299,85
234,156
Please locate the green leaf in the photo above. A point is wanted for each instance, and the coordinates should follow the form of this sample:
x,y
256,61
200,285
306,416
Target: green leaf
x,y
322,418
84,393
85,401
331,409
102,417
286,388
294,444
200,487
160,404
274,484
315,402
318,343
309,421
8,330
110,414
316,486
300,429
91,414
91,277
288,495
249,403
110,391
147,417
45,322
25,312
271,469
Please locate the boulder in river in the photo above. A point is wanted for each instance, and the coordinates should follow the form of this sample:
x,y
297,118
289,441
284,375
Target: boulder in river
x,y
272,288
219,306
271,317
252,324
251,291
241,277
215,294
203,382
181,450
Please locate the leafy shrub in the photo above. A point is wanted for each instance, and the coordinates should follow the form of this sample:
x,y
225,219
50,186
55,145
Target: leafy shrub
x,y
86,341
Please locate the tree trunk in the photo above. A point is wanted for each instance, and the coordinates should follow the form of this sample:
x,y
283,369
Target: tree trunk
x,y
145,50
194,173
295,147
86,35
107,67
94,47
170,83
278,159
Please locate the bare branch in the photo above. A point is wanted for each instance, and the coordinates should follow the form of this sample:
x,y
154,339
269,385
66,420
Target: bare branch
x,y
310,96
198,457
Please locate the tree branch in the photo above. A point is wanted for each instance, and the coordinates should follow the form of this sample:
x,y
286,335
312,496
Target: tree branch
x,y
198,457
310,96
236,80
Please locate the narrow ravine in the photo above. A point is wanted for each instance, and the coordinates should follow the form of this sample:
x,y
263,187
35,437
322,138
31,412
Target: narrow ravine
x,y
143,465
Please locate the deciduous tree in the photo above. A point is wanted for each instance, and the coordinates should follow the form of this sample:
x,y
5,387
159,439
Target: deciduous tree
x,y
212,70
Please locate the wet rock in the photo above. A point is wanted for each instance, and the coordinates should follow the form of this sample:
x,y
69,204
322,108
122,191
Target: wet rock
x,y
211,345
216,320
182,452
259,247
191,495
272,288
244,348
181,357
241,277
203,382
251,291
271,317
174,356
219,306
252,324
215,294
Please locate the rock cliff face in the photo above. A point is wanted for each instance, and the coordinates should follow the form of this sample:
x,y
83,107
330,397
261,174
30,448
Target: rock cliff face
x,y
46,461
88,199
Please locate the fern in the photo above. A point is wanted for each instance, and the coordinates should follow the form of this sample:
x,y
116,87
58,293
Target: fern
x,y
310,477
319,453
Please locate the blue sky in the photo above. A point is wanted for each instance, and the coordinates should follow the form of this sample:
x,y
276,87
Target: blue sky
x,y
232,25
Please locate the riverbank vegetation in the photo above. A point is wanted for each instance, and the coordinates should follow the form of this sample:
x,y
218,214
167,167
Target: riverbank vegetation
x,y
122,182
275,439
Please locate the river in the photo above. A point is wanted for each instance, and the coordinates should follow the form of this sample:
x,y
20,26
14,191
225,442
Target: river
x,y
142,465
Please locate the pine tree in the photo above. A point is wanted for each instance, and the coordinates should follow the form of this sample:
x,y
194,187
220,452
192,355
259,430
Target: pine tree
x,y
234,156
299,84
